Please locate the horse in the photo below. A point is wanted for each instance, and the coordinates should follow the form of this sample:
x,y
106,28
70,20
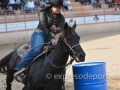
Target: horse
x,y
43,72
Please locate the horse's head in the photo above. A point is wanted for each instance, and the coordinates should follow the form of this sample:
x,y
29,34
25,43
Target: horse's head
x,y
71,39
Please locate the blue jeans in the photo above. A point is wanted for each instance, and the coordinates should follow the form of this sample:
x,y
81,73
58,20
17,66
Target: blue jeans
x,y
36,39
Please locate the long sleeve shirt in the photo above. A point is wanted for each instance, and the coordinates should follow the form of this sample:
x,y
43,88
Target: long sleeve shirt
x,y
47,21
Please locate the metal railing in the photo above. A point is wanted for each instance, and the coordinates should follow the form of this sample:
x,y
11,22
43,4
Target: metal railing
x,y
25,21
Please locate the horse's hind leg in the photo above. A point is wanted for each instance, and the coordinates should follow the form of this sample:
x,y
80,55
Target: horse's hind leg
x,y
9,79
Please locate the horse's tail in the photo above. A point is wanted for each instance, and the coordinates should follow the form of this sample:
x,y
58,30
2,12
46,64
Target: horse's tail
x,y
4,61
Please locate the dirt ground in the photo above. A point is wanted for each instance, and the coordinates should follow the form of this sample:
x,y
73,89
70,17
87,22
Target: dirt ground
x,y
98,47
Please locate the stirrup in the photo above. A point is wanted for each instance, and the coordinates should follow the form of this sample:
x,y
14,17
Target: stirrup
x,y
18,72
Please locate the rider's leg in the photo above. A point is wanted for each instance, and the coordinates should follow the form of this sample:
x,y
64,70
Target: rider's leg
x,y
36,39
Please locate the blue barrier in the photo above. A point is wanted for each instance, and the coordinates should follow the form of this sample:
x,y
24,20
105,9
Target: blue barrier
x,y
90,76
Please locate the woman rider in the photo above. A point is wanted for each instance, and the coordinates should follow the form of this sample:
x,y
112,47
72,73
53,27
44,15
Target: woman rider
x,y
51,20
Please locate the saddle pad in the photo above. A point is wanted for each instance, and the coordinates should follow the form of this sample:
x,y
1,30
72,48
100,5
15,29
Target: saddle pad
x,y
22,51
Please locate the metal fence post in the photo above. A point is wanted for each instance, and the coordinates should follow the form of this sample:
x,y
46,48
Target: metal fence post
x,y
104,16
84,16
24,19
5,22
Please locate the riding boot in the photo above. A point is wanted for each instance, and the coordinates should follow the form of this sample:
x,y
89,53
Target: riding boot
x,y
18,75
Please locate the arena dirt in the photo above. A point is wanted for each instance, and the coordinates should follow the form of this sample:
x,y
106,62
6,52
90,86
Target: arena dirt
x,y
98,47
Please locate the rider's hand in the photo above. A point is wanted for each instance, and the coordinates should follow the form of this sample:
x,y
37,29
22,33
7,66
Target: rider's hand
x,y
54,42
53,28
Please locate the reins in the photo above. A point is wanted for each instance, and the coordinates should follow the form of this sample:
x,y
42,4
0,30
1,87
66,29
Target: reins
x,y
73,57
71,49
67,66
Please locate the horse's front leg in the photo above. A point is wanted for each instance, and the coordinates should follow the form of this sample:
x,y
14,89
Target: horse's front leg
x,y
9,79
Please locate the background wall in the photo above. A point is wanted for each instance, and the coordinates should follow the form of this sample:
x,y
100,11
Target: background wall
x,y
23,36
98,28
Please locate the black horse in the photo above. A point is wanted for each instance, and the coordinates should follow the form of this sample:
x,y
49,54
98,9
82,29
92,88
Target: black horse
x,y
44,73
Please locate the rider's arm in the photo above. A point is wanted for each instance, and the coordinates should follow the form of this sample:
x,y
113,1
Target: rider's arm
x,y
60,27
43,21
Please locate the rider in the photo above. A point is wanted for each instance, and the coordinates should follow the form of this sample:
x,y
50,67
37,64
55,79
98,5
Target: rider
x,y
51,20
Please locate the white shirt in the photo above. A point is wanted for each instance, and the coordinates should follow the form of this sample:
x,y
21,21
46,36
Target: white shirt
x,y
30,4
12,1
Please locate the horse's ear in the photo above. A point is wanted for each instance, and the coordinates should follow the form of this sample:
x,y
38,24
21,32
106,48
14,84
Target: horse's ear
x,y
65,26
74,25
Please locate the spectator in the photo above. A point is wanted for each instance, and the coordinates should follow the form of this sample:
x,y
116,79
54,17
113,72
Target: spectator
x,y
97,4
12,3
65,6
110,3
96,18
80,2
4,6
0,5
69,5
31,6
27,9
89,2
92,2
84,2
118,4
116,8
18,4
47,2
37,5
0,9
11,11
116,1
50,0
106,1
42,4
23,6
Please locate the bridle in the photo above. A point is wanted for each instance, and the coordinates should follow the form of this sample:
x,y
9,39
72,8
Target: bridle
x,y
70,62
70,47
73,56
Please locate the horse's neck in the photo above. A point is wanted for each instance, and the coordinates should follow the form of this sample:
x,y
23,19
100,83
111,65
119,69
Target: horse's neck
x,y
61,53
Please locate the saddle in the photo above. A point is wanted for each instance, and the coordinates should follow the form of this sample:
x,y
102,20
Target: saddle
x,y
23,49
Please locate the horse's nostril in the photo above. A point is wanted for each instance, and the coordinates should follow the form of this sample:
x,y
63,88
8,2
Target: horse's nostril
x,y
81,55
